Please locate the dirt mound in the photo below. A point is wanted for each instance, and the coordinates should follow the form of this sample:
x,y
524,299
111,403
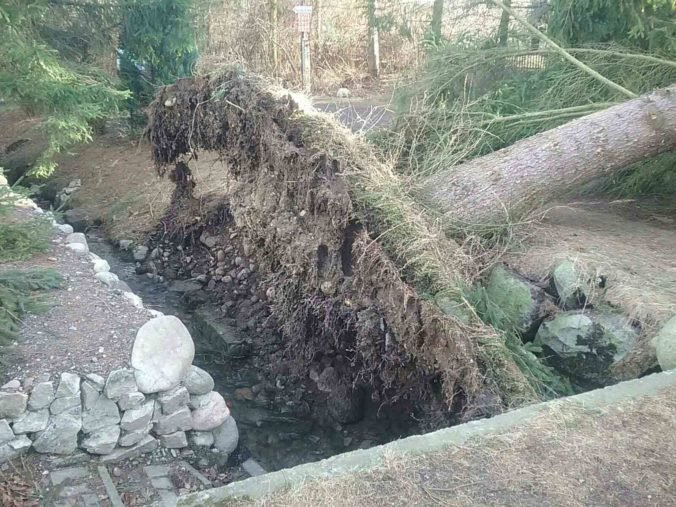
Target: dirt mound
x,y
290,188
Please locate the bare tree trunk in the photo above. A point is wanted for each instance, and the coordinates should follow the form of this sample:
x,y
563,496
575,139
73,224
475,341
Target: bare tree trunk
x,y
318,16
437,20
274,54
511,182
503,28
373,56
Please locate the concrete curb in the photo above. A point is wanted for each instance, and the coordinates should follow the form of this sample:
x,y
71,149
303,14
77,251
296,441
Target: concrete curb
x,y
341,464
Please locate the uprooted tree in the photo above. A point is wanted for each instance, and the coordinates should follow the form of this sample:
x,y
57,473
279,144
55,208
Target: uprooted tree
x,y
511,182
350,251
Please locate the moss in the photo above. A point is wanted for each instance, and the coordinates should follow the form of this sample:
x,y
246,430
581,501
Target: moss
x,y
513,299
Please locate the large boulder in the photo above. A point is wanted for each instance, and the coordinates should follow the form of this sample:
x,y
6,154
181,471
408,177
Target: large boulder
x,y
517,303
79,218
198,381
586,345
210,411
162,354
665,345
12,405
226,436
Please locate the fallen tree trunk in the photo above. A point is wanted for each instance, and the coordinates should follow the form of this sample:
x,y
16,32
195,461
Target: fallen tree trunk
x,y
509,183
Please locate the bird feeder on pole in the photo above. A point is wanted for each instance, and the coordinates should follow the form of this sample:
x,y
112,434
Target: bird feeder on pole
x,y
304,24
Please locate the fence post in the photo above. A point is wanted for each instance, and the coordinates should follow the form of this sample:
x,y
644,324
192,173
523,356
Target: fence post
x,y
304,18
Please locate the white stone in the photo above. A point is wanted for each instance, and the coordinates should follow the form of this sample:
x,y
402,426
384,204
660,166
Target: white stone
x,y
120,382
78,248
130,401
41,396
138,418
102,441
6,433
69,385
90,395
175,440
60,437
21,444
226,436
12,385
210,412
343,93
665,345
31,422
76,238
125,244
12,405
154,314
162,354
202,438
178,421
65,228
108,279
101,266
135,300
198,381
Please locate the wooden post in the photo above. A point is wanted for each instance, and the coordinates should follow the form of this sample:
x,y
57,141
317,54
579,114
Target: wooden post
x,y
304,19
373,56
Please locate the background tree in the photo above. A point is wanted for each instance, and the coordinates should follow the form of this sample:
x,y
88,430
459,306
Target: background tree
x,y
373,56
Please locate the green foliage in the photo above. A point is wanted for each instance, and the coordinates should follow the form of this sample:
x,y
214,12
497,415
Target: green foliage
x,y
640,24
19,294
68,94
157,45
20,239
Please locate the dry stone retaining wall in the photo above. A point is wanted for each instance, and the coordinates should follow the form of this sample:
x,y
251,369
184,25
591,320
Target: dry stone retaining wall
x,y
162,399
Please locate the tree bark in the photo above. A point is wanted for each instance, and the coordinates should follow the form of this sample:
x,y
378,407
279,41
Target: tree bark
x,y
509,183
503,28
373,56
437,20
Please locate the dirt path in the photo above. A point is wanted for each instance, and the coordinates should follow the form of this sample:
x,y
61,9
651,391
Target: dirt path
x,y
622,455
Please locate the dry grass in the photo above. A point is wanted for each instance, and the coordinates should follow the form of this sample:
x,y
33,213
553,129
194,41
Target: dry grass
x,y
621,455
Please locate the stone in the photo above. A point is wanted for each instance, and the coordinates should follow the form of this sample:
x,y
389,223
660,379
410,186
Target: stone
x,y
147,444
567,282
174,399
665,345
129,439
171,423
198,381
176,440
225,338
57,477
585,345
253,468
41,396
108,279
96,380
162,354
208,241
202,438
90,395
31,422
60,436
138,418
78,218
12,385
140,253
130,401
102,441
76,237
210,411
119,383
346,403
125,244
184,286
65,228
12,405
521,303
60,405
102,414
21,444
135,300
69,385
226,436
101,266
78,248
6,433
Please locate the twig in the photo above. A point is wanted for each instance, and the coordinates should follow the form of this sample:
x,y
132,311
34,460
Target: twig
x,y
565,54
